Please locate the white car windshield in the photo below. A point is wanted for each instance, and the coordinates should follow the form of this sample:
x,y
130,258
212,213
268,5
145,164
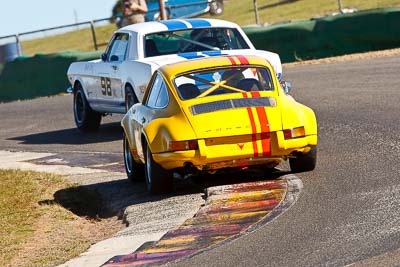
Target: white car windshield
x,y
193,40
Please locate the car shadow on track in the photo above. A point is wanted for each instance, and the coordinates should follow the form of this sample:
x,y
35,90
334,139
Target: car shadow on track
x,y
116,196
107,133
233,176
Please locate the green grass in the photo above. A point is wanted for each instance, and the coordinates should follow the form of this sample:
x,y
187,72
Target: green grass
x,y
80,40
18,208
241,12
273,11
44,220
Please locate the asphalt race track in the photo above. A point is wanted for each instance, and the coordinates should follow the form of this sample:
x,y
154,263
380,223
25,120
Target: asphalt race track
x,y
349,208
350,205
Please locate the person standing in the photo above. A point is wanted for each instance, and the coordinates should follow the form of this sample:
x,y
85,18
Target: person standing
x,y
133,11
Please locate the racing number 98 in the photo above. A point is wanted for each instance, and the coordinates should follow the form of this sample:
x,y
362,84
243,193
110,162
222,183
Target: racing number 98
x,y
106,86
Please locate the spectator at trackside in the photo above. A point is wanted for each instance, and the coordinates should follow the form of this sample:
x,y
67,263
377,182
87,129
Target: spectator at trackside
x,y
133,11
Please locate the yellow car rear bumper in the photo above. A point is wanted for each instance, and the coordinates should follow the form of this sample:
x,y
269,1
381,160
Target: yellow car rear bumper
x,y
220,153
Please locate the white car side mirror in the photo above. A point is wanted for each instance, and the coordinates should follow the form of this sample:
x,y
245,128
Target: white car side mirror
x,y
286,86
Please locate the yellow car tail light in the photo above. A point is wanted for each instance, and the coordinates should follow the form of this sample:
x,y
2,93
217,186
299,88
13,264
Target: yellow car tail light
x,y
183,145
293,133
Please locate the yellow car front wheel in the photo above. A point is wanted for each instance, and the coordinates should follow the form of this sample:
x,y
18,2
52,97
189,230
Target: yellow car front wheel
x,y
134,170
158,180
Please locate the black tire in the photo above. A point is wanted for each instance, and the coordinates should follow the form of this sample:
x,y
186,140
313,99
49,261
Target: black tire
x,y
158,180
134,170
304,162
216,7
130,98
86,119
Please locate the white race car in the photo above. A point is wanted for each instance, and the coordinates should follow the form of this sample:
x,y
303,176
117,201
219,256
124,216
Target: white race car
x,y
118,80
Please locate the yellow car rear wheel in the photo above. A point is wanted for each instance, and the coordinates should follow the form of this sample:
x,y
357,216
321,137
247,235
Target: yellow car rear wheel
x,y
304,162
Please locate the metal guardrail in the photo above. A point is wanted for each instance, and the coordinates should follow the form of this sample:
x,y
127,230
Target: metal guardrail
x,y
90,23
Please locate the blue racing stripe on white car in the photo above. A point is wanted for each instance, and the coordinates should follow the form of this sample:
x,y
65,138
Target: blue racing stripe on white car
x,y
198,23
191,55
213,53
174,24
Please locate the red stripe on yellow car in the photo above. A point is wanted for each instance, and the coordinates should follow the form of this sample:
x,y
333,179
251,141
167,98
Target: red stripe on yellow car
x,y
265,131
243,60
236,60
265,147
232,60
264,125
253,129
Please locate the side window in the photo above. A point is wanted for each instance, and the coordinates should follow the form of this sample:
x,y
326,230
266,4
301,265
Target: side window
x,y
162,100
158,97
266,80
118,48
233,39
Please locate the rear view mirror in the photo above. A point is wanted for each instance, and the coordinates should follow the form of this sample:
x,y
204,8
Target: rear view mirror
x,y
286,86
114,58
104,57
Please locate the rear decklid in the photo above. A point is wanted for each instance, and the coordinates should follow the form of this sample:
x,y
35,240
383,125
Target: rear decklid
x,y
241,114
236,127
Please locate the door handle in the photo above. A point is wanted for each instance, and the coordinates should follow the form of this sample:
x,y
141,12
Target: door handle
x,y
143,120
114,67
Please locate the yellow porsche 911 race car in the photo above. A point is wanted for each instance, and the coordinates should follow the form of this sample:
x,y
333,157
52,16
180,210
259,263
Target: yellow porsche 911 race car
x,y
213,113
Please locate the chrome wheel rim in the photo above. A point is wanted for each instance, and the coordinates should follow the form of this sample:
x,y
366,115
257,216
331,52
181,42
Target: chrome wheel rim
x,y
148,166
128,159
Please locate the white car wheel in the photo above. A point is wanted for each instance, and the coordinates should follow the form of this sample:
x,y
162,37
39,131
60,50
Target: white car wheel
x,y
86,119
